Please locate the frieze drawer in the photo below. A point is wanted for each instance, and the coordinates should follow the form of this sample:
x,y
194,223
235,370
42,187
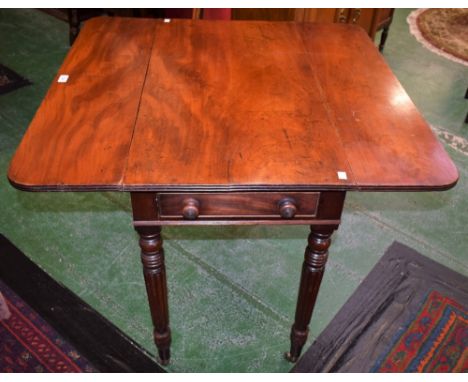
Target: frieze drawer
x,y
245,205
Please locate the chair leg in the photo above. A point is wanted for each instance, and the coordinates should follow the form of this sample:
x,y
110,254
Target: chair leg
x,y
466,97
383,38
74,24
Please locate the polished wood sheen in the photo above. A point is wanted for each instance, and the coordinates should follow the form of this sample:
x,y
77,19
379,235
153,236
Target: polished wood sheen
x,y
239,205
315,258
154,271
153,209
211,123
81,135
227,106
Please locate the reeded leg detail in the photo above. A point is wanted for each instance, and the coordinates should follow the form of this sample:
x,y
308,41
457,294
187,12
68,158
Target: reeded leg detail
x,y
315,258
154,271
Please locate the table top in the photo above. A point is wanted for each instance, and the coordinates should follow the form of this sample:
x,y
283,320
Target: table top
x,y
227,106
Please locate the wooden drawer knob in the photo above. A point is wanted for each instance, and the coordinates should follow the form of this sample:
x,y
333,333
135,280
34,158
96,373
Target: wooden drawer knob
x,y
190,210
287,208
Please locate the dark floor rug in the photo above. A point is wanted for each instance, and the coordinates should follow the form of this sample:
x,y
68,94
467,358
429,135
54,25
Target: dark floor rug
x,y
434,341
46,327
408,315
28,344
9,80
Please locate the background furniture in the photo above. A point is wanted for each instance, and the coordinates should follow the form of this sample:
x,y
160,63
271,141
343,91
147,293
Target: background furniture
x,y
78,15
466,97
371,20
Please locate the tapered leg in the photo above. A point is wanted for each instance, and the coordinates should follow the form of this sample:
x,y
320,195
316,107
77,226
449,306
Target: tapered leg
x,y
313,267
383,38
152,257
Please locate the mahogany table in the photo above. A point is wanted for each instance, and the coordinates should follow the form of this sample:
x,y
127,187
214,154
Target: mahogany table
x,y
211,122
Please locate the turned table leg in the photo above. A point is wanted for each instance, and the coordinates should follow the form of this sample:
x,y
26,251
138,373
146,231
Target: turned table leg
x,y
315,258
152,257
383,38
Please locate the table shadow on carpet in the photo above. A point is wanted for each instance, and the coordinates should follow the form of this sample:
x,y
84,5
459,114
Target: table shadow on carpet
x,y
10,80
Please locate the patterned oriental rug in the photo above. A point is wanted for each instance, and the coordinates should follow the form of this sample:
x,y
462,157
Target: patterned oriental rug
x,y
408,315
435,341
443,31
29,344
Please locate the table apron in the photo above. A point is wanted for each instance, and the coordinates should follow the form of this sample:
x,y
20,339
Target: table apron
x,y
143,223
307,208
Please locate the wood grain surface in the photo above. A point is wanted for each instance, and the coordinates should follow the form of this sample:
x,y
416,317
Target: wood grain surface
x,y
81,134
233,105
238,205
227,106
385,138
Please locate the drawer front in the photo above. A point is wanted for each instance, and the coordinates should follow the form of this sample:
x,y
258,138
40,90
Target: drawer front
x,y
246,205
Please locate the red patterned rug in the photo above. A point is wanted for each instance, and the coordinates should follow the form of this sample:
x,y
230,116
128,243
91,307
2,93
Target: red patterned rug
x,y
30,344
435,341
408,315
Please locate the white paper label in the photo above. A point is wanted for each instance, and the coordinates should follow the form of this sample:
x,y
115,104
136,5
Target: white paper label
x,y
342,175
167,20
63,78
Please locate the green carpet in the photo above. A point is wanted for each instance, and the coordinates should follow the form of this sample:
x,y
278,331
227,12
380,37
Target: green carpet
x,y
232,290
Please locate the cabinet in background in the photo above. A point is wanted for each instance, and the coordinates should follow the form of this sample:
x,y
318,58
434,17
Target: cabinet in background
x,y
371,19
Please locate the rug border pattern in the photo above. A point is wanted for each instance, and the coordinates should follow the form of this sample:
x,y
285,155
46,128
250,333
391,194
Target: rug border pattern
x,y
39,339
414,30
444,312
